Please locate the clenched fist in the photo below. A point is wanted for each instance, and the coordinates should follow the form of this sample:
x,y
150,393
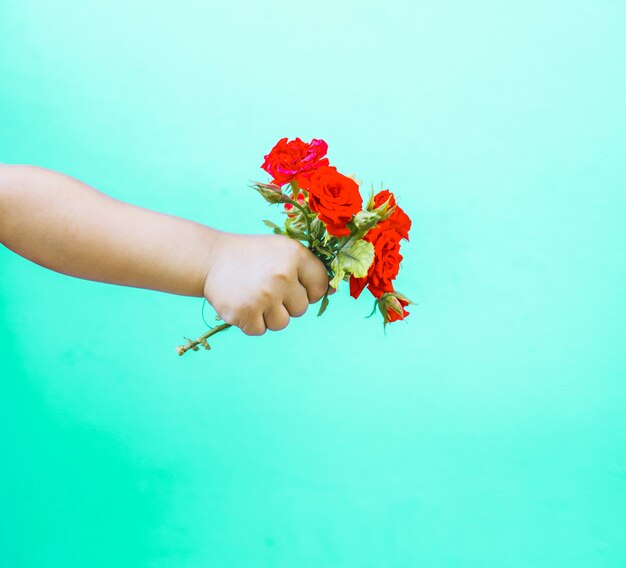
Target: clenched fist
x,y
258,282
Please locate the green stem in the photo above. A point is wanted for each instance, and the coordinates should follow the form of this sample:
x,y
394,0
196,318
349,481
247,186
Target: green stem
x,y
202,340
306,218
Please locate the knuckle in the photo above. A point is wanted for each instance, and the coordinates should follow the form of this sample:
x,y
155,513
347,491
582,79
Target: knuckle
x,y
282,277
253,327
228,315
264,294
279,324
247,313
254,330
299,311
299,308
316,293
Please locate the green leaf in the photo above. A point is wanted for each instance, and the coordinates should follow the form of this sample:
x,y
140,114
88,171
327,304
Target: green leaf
x,y
324,305
370,202
317,228
295,189
355,257
274,226
298,235
321,251
339,272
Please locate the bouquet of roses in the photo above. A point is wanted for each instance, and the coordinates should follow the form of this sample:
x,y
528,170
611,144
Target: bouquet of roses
x,y
324,208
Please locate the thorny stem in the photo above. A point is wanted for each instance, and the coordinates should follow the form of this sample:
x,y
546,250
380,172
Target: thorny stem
x,y
202,340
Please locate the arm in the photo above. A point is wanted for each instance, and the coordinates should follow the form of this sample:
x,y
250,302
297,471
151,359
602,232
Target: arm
x,y
67,226
254,281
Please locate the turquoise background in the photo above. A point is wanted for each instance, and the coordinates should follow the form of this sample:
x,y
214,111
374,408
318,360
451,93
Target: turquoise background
x,y
487,431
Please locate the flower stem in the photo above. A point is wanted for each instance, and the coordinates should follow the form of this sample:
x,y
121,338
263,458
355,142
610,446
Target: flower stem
x,y
305,215
202,340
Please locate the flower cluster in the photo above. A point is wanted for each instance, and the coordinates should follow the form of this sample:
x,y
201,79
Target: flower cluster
x,y
358,244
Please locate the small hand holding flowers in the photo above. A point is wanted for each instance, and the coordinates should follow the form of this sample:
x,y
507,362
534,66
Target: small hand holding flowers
x,y
324,208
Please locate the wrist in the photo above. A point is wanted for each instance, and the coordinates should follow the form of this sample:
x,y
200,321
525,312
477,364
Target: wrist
x,y
208,247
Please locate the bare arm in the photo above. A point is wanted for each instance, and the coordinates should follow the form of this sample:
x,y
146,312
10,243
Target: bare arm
x,y
65,225
254,281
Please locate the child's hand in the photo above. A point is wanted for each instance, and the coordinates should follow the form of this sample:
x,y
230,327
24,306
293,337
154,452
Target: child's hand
x,y
256,282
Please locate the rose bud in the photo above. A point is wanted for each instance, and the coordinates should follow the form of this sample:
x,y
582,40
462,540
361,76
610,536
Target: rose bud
x,y
270,192
392,306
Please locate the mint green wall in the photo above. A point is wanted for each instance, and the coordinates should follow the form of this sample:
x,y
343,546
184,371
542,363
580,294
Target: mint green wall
x,y
489,431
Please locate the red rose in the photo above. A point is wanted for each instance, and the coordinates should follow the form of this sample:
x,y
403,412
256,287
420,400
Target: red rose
x,y
333,196
384,269
357,285
287,159
398,221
